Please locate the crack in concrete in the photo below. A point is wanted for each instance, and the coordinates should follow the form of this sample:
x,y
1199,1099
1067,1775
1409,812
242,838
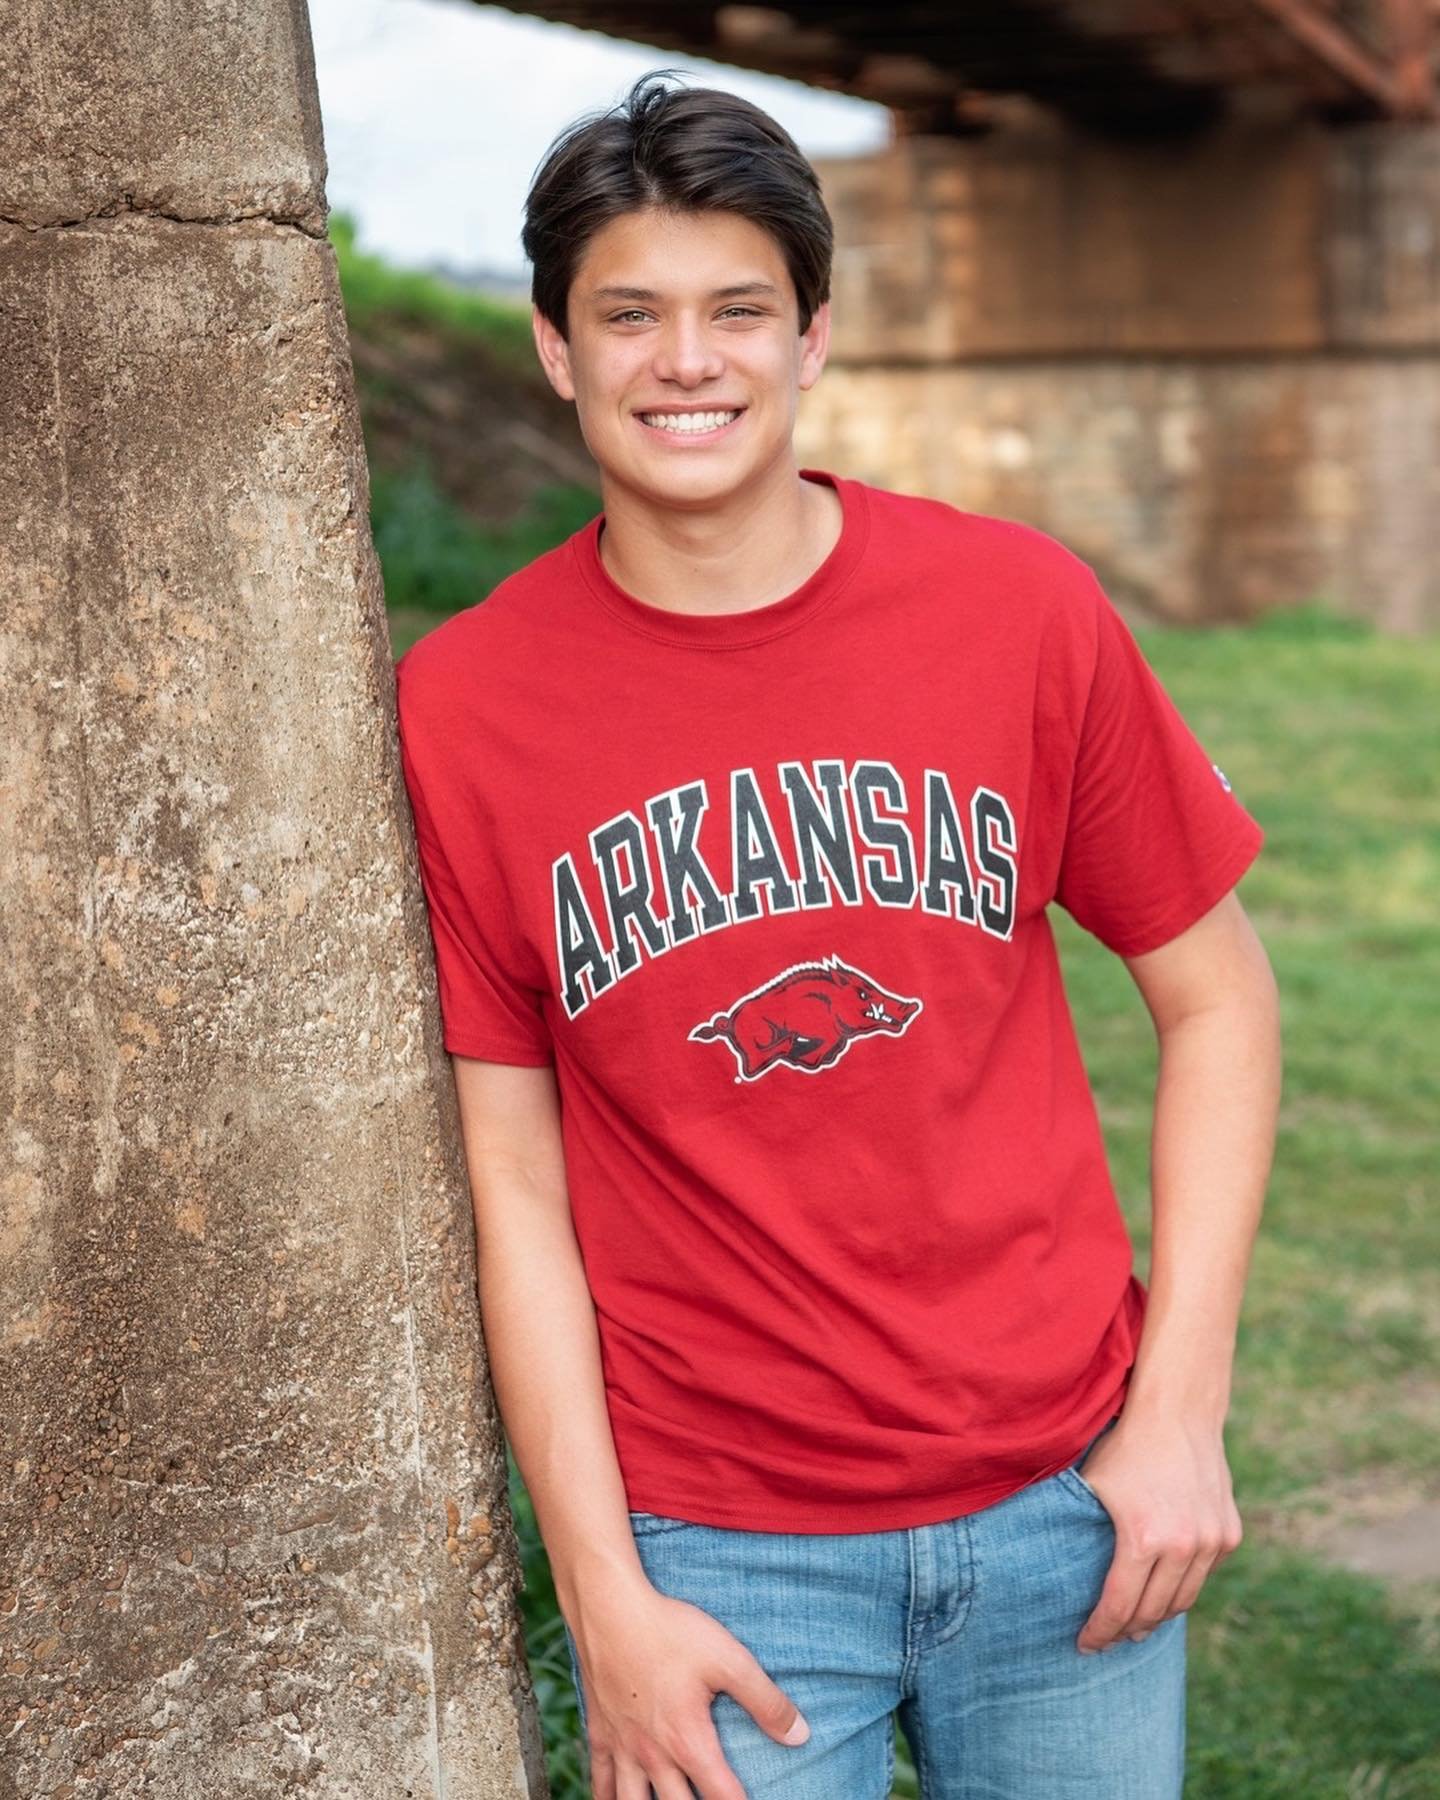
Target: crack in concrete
x,y
300,222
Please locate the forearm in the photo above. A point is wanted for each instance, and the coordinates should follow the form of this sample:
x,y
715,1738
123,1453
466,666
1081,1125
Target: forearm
x,y
1216,1100
544,1354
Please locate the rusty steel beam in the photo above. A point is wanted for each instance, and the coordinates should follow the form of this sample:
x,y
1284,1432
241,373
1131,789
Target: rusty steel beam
x,y
1411,26
1118,64
1031,47
1379,80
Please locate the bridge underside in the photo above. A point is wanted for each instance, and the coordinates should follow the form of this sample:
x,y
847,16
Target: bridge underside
x,y
1126,67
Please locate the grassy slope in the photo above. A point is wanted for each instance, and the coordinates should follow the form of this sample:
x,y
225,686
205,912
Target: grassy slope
x,y
1306,1680
476,466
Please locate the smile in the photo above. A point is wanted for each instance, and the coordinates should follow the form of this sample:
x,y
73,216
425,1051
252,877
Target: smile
x,y
690,425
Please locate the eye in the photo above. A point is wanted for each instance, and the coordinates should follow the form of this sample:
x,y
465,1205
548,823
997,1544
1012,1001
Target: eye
x,y
635,312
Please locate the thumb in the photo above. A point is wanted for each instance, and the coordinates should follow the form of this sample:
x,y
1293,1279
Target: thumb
x,y
769,1705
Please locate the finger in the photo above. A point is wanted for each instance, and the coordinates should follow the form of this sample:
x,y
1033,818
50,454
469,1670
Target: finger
x,y
1158,1596
1124,1584
671,1784
602,1774
1232,1536
1208,1552
1202,1567
765,1700
631,1781
706,1766
689,1751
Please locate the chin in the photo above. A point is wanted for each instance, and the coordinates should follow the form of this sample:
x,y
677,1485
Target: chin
x,y
701,484
684,474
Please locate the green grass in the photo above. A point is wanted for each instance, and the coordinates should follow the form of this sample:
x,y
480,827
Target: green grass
x,y
1306,1681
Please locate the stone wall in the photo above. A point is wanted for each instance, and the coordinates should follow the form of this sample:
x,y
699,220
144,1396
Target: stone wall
x,y
1213,369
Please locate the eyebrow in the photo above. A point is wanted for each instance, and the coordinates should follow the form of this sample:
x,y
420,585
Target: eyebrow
x,y
720,293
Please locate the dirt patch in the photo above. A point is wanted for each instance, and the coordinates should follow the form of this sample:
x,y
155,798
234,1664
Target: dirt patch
x,y
490,435
1404,1549
1384,1524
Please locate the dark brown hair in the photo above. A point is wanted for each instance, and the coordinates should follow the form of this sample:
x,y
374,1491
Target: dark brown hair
x,y
682,150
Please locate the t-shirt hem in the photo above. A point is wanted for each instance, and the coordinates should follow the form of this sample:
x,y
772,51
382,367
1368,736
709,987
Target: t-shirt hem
x,y
490,1050
839,1520
845,1520
897,1515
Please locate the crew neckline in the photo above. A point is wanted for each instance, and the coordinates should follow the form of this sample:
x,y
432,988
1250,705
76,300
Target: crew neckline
x,y
755,624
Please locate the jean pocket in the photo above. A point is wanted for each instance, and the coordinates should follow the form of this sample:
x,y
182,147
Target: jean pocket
x,y
648,1524
1072,1478
1076,1482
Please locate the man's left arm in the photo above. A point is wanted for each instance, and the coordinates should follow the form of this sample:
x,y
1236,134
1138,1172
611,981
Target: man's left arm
x,y
1162,1472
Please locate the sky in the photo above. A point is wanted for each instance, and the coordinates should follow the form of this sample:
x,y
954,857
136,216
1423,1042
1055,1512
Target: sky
x,y
436,113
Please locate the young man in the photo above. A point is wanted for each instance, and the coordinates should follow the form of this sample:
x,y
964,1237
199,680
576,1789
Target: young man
x,y
808,1301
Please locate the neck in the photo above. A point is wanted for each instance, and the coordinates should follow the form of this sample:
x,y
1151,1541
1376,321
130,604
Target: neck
x,y
720,558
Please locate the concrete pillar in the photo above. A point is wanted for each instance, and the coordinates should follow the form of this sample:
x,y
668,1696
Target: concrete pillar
x,y
252,1484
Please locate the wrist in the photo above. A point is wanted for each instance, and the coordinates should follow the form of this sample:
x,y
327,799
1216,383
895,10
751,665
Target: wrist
x,y
598,1581
1202,1400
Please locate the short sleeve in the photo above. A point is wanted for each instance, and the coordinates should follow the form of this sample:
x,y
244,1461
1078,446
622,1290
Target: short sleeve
x,y
1154,835
487,1009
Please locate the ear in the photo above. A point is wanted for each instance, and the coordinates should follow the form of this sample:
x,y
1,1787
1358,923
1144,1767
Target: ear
x,y
554,354
814,346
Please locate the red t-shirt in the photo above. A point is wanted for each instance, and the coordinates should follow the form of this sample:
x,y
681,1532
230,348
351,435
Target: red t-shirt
x,y
770,890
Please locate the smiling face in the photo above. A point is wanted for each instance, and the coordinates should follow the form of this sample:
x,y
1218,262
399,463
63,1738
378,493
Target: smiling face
x,y
685,359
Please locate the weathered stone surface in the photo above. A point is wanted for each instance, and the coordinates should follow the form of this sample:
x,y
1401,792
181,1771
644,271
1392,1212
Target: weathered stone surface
x,y
1200,490
1212,367
198,112
252,1483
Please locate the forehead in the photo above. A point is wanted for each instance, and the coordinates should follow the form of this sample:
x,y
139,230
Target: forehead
x,y
674,252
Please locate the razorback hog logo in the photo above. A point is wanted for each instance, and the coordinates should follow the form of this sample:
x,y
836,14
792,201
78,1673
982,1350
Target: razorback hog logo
x,y
808,1017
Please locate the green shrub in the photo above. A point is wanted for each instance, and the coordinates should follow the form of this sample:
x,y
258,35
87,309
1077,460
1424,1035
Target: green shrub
x,y
436,559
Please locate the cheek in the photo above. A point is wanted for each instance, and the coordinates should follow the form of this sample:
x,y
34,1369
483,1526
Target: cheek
x,y
606,375
628,380
777,366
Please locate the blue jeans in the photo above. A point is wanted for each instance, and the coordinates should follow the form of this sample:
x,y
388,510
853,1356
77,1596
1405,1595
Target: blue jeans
x,y
967,1626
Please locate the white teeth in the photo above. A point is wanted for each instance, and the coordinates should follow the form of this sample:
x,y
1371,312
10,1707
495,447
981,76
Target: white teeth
x,y
707,421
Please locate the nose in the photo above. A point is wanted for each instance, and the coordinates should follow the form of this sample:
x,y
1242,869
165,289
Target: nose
x,y
686,353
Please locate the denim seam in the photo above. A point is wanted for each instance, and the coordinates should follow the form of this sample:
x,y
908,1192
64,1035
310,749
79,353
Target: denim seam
x,y
922,1755
961,1527
912,1624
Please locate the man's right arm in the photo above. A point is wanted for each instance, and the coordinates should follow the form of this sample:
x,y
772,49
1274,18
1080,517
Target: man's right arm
x,y
540,1330
651,1663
